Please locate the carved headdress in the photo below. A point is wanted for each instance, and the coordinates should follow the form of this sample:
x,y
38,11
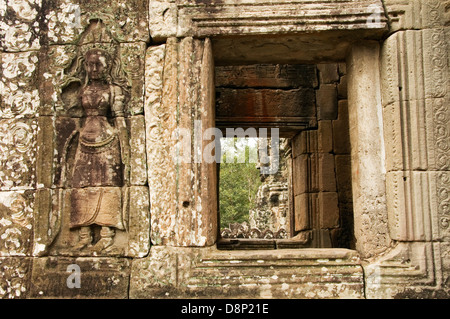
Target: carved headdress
x,y
96,36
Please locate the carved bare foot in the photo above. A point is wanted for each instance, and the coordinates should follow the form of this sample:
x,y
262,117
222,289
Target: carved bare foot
x,y
85,239
102,244
106,240
82,244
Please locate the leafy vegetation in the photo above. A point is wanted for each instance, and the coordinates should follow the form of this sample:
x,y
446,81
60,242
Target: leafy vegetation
x,y
239,180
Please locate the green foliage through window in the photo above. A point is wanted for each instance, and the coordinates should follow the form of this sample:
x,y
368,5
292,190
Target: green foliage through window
x,y
238,182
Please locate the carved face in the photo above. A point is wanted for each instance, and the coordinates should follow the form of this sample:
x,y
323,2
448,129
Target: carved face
x,y
96,64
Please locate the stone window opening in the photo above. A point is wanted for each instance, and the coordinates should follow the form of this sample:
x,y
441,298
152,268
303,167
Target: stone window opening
x,y
308,104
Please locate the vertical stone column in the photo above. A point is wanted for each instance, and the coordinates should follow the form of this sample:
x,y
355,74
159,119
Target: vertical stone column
x,y
367,149
414,74
182,184
415,104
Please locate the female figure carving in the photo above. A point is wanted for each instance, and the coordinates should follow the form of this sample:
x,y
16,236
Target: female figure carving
x,y
99,169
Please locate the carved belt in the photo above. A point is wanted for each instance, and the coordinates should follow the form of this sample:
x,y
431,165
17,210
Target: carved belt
x,y
98,144
97,147
96,112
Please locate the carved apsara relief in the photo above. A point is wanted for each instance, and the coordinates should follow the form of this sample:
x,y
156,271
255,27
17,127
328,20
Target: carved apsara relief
x,y
93,148
97,173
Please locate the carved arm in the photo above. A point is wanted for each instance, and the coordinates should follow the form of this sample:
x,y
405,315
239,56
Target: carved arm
x,y
121,126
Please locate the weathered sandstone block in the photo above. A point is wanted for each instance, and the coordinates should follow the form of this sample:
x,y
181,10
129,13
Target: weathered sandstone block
x,y
99,277
327,102
16,223
341,131
328,73
15,280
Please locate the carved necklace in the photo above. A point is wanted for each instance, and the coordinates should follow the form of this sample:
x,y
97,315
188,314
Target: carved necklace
x,y
95,88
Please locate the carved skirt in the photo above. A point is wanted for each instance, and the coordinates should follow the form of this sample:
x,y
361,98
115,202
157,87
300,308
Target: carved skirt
x,y
99,165
97,180
96,206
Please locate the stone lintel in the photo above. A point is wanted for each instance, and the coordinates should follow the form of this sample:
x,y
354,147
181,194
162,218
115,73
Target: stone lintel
x,y
200,18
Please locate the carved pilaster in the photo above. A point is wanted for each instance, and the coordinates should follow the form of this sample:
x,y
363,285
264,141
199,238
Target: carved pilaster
x,y
416,124
414,72
367,149
179,108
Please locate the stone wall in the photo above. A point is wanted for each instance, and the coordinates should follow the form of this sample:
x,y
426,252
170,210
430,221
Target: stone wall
x,y
321,165
41,44
162,53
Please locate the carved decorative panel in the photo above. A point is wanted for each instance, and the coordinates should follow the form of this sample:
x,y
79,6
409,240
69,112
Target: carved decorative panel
x,y
19,30
67,19
92,162
16,274
19,93
417,14
18,153
16,223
